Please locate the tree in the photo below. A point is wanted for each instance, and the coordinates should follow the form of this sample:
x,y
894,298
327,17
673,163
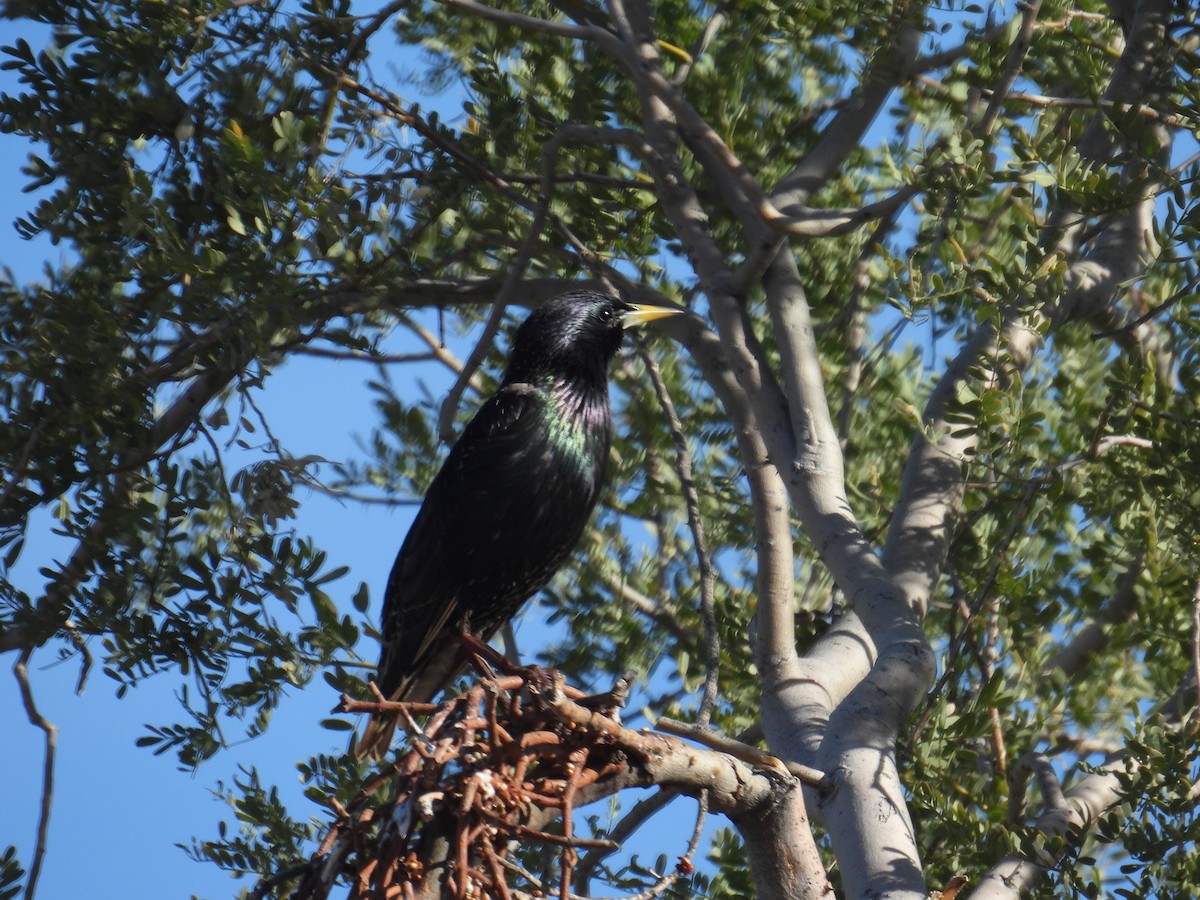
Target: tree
x,y
906,505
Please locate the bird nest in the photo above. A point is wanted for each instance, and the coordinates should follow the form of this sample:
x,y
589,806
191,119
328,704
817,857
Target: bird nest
x,y
484,795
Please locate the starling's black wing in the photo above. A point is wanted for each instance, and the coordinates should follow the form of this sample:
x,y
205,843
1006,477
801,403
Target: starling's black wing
x,y
501,516
446,569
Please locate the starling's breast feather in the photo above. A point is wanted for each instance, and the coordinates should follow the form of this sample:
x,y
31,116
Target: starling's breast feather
x,y
503,514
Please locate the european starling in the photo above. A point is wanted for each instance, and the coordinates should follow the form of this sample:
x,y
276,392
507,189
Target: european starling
x,y
510,502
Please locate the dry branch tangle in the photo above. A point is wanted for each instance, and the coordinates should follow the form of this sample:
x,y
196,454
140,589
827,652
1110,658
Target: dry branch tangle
x,y
497,766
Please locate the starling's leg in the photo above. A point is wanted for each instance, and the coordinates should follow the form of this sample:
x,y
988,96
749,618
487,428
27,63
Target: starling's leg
x,y
490,660
484,655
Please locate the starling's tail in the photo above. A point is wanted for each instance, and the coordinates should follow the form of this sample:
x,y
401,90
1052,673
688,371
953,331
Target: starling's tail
x,y
418,686
376,738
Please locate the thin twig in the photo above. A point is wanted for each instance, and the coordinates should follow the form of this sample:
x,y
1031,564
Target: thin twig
x,y
711,27
735,748
683,466
545,837
685,862
366,355
493,861
443,355
641,813
940,59
1012,65
449,408
1116,107
568,857
1188,290
21,670
366,499
856,328
353,46
640,603
85,667
18,470
512,277
1196,646
266,885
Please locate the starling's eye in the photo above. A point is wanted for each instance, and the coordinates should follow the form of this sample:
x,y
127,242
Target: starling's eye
x,y
606,314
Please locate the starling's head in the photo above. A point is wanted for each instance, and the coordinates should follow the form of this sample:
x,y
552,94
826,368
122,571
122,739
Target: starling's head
x,y
575,335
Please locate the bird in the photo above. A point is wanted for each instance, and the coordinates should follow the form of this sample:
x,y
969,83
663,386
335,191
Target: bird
x,y
509,503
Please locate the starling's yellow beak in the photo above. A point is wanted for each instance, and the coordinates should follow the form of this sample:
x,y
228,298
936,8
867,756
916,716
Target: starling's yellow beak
x,y
641,313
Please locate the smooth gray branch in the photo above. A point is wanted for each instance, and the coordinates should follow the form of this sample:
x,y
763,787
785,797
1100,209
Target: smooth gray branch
x,y
1078,807
1093,637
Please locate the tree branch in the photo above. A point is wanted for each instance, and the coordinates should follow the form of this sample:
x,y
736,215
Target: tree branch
x,y
1093,637
21,671
640,603
931,488
1079,807
857,743
683,466
522,21
641,813
814,778
668,762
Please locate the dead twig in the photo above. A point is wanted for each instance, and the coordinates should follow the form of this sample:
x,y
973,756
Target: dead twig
x,y
691,497
484,779
21,671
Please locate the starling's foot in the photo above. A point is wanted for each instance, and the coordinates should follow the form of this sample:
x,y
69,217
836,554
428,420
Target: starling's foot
x,y
541,680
